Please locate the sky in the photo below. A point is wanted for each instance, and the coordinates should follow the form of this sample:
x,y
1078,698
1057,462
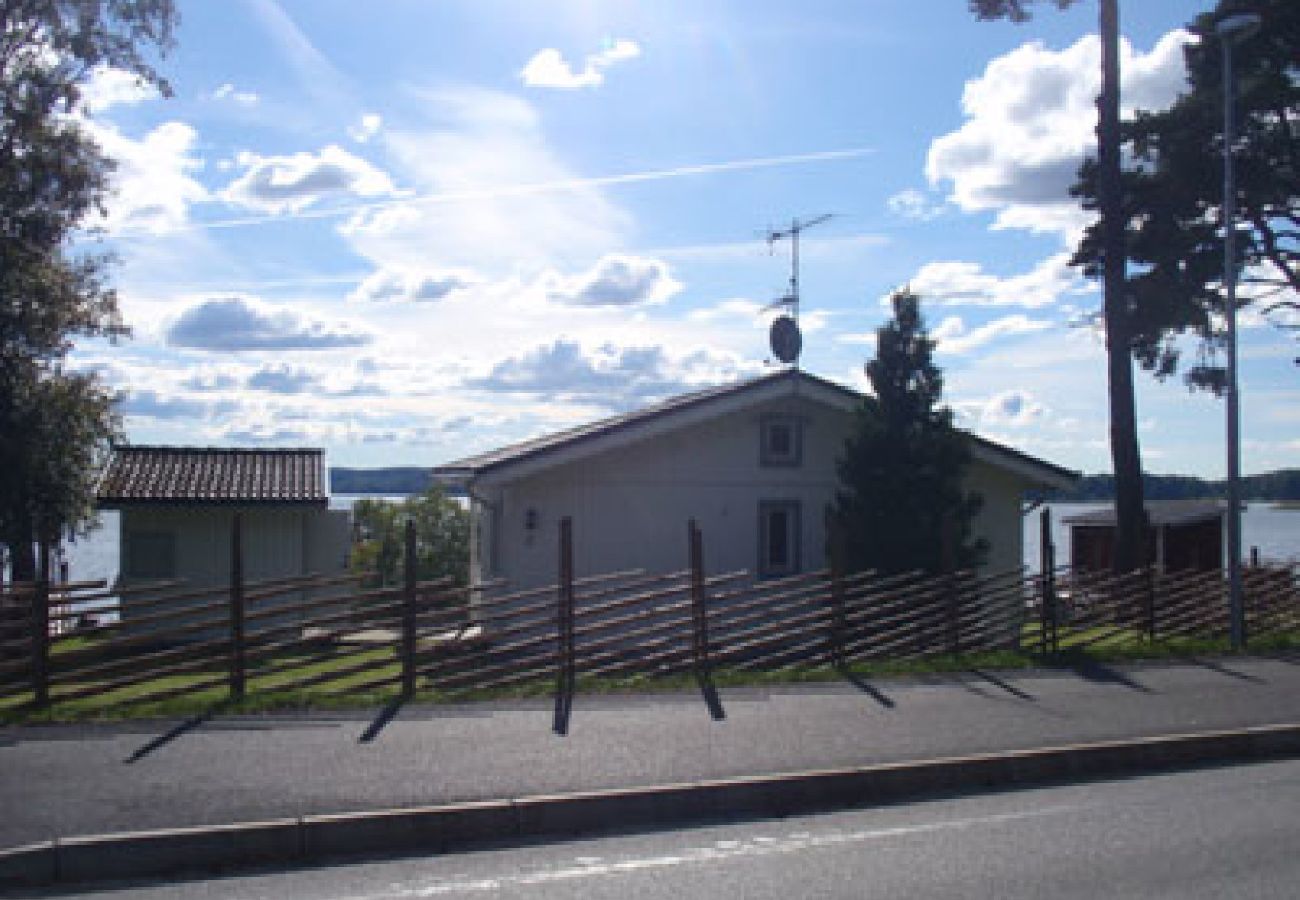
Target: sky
x,y
407,231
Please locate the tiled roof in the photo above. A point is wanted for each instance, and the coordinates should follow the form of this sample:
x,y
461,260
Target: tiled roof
x,y
138,474
504,456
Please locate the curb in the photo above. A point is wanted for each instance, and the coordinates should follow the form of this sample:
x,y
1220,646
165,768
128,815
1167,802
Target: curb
x,y
461,826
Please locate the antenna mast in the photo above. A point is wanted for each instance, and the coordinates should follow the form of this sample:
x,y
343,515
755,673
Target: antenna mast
x,y
791,299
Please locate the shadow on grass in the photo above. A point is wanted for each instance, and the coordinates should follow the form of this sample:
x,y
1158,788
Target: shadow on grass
x,y
180,729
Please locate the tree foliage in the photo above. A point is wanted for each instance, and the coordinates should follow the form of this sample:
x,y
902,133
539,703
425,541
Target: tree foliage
x,y
901,495
55,424
1173,195
441,537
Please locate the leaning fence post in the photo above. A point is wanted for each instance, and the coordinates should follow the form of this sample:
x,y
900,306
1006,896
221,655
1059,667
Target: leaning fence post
x,y
40,614
699,617
237,660
408,613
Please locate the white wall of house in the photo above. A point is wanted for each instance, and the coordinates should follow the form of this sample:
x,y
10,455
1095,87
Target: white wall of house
x,y
192,543
630,505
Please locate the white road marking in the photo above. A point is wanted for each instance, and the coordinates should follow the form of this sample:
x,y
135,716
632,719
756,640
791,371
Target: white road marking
x,y
721,851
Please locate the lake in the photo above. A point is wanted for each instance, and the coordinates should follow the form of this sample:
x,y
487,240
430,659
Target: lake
x,y
1276,532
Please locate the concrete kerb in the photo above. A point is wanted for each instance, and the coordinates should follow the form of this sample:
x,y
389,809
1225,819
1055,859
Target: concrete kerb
x,y
466,825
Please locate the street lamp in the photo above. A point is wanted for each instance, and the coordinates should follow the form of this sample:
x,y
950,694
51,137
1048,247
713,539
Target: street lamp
x,y
1232,30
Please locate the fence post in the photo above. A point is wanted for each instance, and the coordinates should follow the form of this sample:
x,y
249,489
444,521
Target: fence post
x,y
699,616
1047,567
839,618
1151,602
40,616
564,664
948,562
408,613
237,661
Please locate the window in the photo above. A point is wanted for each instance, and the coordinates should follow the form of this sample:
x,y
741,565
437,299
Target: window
x,y
778,537
781,441
151,554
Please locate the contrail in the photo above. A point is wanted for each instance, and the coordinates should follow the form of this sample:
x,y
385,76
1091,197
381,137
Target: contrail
x,y
541,187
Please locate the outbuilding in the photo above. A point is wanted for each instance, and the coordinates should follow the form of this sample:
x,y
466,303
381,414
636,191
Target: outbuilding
x,y
1182,535
178,504
753,463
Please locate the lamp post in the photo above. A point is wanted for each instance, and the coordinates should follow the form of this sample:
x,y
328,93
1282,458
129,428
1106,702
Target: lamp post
x,y
1232,30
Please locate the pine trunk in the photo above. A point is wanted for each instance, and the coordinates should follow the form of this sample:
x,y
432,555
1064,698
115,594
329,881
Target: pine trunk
x,y
1130,508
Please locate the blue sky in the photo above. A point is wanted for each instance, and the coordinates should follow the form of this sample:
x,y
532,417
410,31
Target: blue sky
x,y
407,231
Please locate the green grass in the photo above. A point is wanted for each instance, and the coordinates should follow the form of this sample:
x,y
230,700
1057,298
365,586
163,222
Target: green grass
x,y
267,693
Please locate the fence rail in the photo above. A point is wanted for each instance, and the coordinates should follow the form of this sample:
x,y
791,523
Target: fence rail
x,y
333,635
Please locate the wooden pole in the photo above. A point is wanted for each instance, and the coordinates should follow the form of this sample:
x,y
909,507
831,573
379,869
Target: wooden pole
x,y
564,663
40,614
948,556
408,614
699,617
237,659
1047,567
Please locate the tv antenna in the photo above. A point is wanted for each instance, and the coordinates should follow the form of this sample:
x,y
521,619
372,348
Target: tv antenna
x,y
785,337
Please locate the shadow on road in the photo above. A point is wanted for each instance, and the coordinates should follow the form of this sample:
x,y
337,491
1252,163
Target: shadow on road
x,y
866,687
1224,670
386,715
1004,685
710,693
1092,670
182,728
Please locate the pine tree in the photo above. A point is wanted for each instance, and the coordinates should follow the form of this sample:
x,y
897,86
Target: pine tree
x,y
902,468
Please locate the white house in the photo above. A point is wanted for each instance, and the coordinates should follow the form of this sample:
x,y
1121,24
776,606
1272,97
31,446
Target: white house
x,y
177,506
752,462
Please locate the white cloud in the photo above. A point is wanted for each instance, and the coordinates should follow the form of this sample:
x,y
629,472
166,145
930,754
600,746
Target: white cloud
x,y
367,127
394,285
548,68
952,335
952,283
240,98
107,87
615,280
153,184
1030,119
913,204
239,323
1015,407
278,184
611,376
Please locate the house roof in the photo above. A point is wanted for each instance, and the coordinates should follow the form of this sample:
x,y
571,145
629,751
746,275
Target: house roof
x,y
216,475
685,406
1159,513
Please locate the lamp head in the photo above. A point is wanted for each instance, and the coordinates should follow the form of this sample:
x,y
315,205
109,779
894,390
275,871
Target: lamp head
x,y
1235,29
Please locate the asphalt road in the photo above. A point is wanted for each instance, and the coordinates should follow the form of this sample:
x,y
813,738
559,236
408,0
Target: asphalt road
x,y
1230,832
58,781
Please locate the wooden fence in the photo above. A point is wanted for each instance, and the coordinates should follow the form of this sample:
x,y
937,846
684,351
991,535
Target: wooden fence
x,y
333,635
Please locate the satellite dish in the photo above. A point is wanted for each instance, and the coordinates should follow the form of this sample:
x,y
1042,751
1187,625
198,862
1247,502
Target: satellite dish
x,y
786,339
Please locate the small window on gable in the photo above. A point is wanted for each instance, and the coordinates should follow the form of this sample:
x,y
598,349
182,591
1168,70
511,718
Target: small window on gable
x,y
151,554
781,441
778,538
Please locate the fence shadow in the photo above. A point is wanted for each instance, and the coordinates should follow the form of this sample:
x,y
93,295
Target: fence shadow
x,y
865,686
710,693
386,715
1098,672
1003,684
177,731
